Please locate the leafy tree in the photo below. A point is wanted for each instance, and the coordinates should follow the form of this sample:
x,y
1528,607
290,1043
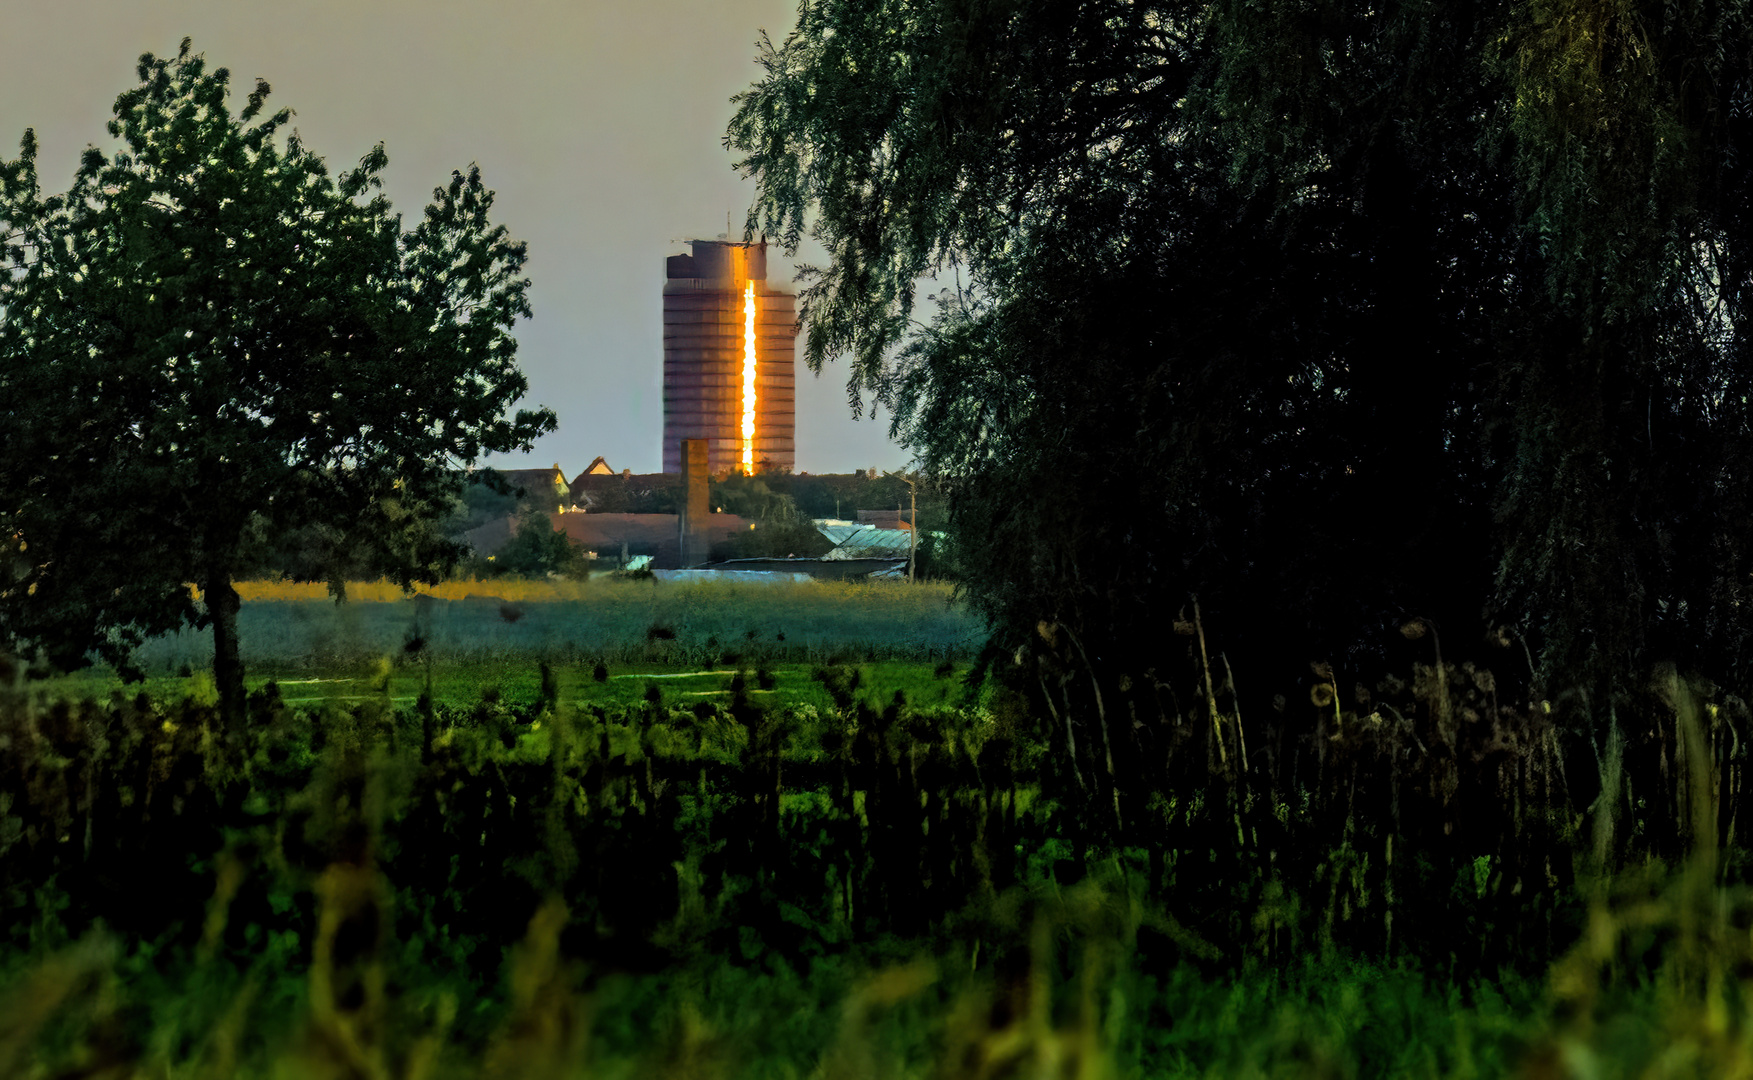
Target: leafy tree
x,y
837,495
538,548
1372,311
1147,317
780,531
936,557
488,496
747,496
210,340
1629,436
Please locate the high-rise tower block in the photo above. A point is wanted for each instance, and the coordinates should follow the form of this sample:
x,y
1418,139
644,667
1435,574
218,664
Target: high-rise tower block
x,y
729,360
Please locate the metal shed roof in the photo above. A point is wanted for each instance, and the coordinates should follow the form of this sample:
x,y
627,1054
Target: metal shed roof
x,y
854,541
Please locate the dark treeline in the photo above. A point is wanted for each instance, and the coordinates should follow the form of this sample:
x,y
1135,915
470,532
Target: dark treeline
x,y
823,495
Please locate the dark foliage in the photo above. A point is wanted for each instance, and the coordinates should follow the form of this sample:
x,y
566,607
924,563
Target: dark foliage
x,y
1420,820
538,548
636,493
781,529
1333,318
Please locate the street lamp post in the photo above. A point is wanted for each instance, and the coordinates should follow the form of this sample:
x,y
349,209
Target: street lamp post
x,y
912,523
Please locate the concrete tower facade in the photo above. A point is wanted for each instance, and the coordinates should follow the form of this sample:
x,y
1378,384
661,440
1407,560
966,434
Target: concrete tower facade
x,y
711,318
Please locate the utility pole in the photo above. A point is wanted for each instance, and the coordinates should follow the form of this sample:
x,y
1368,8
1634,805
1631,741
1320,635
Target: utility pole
x,y
912,523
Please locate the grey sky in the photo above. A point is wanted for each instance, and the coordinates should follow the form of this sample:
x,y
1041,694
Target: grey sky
x,y
599,124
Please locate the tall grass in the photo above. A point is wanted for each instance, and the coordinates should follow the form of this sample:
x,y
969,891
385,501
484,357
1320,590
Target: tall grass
x,y
1103,881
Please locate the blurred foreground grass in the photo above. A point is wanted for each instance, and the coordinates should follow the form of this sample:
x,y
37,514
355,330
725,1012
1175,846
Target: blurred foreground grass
x,y
1062,993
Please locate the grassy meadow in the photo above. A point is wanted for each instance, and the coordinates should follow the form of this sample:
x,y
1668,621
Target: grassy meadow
x,y
285,626
618,829
468,638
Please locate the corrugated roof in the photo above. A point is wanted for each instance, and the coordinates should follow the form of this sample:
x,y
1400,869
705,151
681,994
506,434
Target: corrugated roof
x,y
854,541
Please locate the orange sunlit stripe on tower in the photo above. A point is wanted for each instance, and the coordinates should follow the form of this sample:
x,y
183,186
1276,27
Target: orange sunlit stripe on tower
x,y
749,379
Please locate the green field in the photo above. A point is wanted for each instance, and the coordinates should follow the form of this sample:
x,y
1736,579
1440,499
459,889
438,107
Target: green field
x,y
623,621
495,636
520,680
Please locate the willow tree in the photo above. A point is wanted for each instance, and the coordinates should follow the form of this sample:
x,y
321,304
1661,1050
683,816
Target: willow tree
x,y
1624,502
1335,315
1186,349
209,343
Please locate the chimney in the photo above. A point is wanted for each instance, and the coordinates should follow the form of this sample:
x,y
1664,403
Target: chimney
x,y
694,502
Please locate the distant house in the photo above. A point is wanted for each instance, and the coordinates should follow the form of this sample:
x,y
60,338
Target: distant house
x,y
546,489
579,490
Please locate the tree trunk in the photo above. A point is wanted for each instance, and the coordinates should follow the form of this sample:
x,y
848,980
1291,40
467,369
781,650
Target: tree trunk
x,y
223,605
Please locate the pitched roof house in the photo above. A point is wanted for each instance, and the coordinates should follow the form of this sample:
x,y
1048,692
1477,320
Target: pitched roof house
x,y
544,488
